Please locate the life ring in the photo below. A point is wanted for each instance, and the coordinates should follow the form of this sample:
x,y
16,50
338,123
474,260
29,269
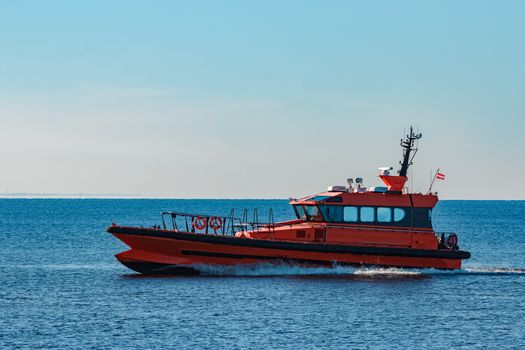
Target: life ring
x,y
199,223
215,223
452,241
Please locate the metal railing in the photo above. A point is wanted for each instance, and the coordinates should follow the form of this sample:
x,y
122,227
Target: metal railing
x,y
217,224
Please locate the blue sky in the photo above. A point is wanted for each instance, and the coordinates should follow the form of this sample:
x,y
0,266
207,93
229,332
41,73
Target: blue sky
x,y
259,98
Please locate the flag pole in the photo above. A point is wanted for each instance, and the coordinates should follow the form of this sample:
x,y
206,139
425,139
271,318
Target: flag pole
x,y
432,183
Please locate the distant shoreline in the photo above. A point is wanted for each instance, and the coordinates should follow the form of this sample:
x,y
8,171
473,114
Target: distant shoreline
x,y
138,196
68,195
111,196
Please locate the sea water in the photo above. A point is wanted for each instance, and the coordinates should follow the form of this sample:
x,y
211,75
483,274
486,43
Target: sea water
x,y
61,287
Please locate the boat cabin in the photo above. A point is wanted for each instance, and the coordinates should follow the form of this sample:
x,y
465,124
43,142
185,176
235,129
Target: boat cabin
x,y
367,209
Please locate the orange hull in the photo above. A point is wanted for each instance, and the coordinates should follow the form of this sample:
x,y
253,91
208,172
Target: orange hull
x,y
166,251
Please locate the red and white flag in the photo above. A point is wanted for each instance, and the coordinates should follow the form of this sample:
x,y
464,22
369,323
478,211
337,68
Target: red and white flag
x,y
440,176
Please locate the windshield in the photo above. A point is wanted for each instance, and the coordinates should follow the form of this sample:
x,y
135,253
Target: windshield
x,y
299,212
308,213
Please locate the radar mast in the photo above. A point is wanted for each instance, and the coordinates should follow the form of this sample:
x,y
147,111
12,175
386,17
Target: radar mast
x,y
409,145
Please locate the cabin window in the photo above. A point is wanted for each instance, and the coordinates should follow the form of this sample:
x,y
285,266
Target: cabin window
x,y
384,214
399,214
367,214
299,212
312,213
350,214
332,213
421,217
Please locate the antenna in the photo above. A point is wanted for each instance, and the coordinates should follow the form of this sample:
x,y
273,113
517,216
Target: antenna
x,y
409,145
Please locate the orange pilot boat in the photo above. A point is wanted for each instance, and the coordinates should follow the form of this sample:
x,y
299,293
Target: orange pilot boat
x,y
346,225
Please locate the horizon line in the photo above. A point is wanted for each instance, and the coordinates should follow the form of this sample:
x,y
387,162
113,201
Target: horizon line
x,y
30,195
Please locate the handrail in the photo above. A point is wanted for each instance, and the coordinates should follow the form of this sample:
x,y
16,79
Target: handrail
x,y
227,224
202,223
190,214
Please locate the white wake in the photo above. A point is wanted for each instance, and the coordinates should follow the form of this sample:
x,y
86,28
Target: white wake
x,y
268,269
